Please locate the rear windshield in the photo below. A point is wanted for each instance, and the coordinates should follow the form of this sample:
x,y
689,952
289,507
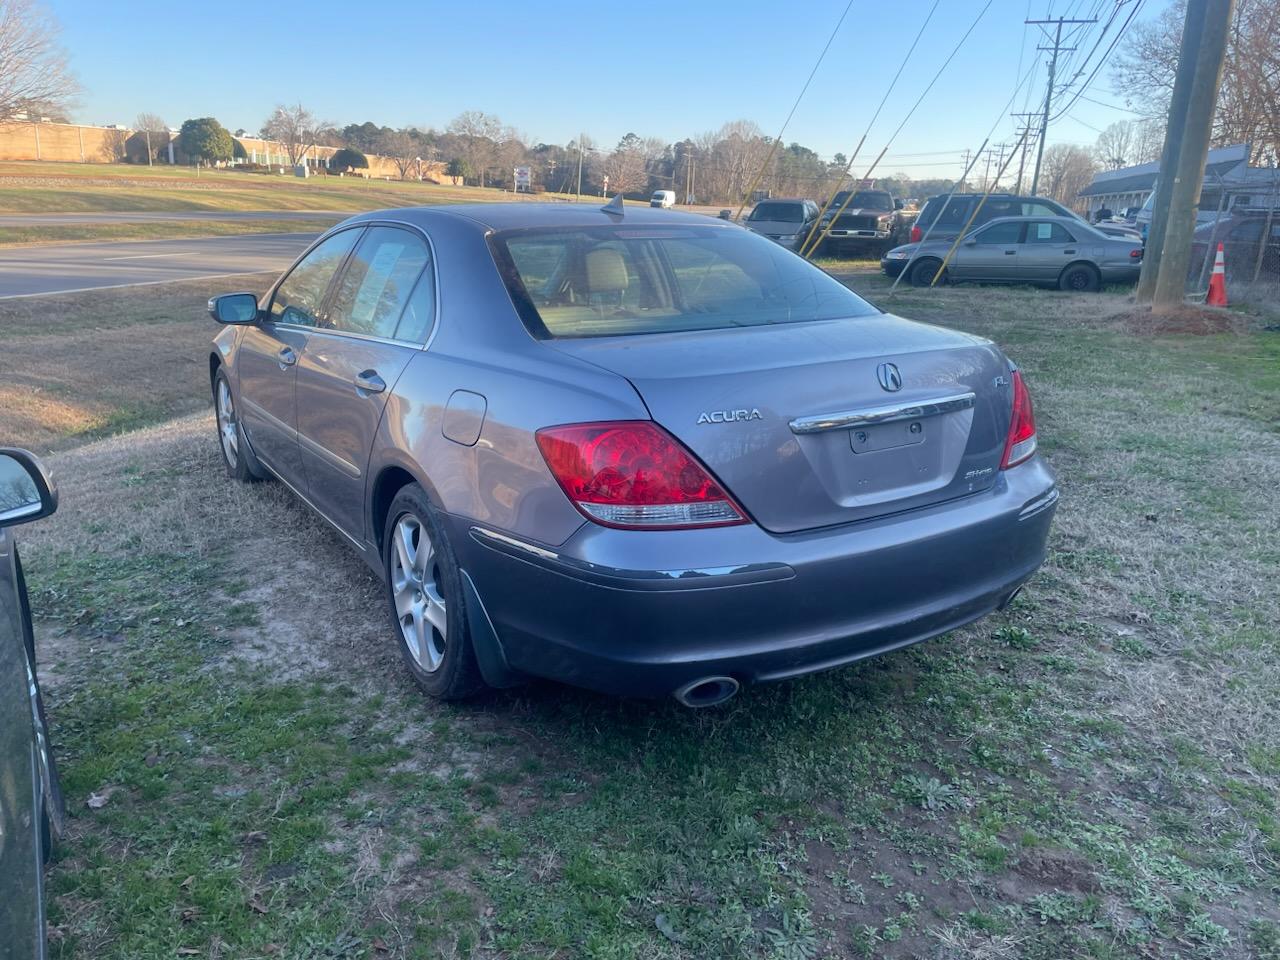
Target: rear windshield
x,y
617,280
780,212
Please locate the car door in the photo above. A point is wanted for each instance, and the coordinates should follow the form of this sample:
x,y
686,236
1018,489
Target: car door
x,y
1047,247
376,318
991,253
267,356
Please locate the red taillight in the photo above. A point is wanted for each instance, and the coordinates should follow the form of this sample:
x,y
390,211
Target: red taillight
x,y
632,473
1136,253
916,234
1021,442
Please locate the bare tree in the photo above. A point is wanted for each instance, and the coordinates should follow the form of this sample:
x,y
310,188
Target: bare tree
x,y
476,137
1248,109
402,148
1066,170
296,129
1116,145
149,125
625,166
33,70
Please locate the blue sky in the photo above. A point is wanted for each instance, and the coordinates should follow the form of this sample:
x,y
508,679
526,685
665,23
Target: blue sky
x,y
552,68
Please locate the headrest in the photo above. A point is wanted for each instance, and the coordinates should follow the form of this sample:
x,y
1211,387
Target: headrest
x,y
606,271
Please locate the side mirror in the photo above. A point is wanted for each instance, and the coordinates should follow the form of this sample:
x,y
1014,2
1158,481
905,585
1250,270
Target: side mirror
x,y
898,205
27,492
234,308
971,241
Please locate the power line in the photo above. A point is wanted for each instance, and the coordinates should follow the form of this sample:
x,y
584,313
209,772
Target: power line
x,y
1137,5
794,106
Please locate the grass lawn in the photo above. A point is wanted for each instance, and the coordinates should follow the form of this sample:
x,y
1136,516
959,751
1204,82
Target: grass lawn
x,y
1092,773
39,187
155,230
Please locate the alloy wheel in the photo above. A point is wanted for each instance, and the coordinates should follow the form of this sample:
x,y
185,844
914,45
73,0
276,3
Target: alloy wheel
x,y
415,584
227,425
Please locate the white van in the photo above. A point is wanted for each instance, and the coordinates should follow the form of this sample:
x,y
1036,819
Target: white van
x,y
663,198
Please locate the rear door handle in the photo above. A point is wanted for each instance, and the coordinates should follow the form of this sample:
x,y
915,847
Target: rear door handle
x,y
368,381
1069,252
1011,253
286,357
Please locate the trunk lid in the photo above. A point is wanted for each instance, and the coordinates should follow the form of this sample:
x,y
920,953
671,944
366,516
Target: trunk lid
x,y
793,420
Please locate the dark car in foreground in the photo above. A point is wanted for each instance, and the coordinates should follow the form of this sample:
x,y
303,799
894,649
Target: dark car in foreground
x,y
786,222
648,453
1063,252
1244,253
30,798
944,216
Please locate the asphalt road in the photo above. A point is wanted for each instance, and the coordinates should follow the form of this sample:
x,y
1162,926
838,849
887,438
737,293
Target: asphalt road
x,y
71,267
147,216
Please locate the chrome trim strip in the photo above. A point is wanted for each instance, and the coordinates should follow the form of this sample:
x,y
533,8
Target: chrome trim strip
x,y
694,578
328,456
889,413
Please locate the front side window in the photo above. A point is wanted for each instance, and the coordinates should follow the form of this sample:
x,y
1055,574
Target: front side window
x,y
373,290
300,295
1048,233
1010,232
615,280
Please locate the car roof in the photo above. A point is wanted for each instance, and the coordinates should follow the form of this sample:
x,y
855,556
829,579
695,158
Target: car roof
x,y
514,216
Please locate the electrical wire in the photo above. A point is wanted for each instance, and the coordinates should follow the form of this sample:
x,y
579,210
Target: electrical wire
x,y
773,149
1133,12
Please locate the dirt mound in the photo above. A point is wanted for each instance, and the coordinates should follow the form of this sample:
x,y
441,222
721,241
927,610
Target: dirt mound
x,y
1189,319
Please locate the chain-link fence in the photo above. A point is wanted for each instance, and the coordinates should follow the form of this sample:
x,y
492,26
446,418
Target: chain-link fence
x,y
1246,222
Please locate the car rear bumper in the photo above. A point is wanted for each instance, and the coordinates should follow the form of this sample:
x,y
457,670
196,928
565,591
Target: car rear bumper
x,y
1125,273
645,612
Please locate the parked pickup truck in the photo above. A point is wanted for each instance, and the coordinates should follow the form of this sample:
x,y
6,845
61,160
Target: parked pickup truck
x,y
872,222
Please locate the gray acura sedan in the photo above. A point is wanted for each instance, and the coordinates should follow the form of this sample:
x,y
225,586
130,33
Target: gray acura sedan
x,y
643,452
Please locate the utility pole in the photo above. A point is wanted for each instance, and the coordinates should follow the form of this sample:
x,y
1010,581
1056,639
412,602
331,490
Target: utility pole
x,y
1192,28
967,154
1057,48
1188,177
578,195
1024,138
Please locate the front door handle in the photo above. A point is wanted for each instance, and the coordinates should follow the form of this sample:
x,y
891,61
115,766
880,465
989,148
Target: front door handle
x,y
368,381
286,357
1069,252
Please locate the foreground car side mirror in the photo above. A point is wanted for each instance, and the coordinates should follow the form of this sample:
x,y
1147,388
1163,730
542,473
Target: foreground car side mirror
x,y
234,308
27,492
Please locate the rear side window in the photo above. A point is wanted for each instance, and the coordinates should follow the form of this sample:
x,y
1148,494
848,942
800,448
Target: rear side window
x,y
1039,208
615,280
949,216
1048,233
300,295
375,287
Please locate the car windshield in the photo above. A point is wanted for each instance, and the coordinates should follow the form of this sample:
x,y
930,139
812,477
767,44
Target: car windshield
x,y
619,280
864,200
779,212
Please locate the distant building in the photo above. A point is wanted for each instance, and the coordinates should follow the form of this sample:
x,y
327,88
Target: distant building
x,y
1227,172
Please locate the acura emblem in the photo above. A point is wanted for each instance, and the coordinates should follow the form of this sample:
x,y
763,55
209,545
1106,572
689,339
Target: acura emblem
x,y
889,377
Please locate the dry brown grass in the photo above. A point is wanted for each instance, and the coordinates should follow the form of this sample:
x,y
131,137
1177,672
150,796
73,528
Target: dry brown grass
x,y
80,365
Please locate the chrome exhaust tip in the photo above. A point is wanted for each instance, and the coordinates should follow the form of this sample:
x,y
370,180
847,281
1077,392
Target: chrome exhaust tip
x,y
707,692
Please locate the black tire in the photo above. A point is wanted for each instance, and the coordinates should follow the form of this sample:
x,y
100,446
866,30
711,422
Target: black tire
x,y
457,675
923,272
1080,278
235,457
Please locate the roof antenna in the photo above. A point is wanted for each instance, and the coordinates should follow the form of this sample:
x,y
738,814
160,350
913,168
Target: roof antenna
x,y
614,206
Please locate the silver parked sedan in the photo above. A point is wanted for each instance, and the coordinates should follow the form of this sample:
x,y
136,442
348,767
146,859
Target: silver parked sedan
x,y
644,452
1049,251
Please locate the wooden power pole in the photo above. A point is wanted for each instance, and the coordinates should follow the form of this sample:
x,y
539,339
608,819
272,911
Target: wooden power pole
x,y
1192,27
1057,48
1188,177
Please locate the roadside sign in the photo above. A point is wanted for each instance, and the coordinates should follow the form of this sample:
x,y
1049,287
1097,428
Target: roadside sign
x,y
524,179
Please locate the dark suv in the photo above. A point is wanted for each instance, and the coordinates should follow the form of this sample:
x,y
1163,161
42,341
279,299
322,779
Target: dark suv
x,y
948,217
871,220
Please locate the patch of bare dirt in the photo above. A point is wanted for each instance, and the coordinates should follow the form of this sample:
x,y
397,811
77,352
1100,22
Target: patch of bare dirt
x,y
1188,319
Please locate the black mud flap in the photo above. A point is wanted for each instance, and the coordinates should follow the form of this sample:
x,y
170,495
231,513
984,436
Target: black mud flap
x,y
490,656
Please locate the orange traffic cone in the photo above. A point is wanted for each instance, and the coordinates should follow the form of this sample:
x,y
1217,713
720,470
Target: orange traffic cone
x,y
1218,282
